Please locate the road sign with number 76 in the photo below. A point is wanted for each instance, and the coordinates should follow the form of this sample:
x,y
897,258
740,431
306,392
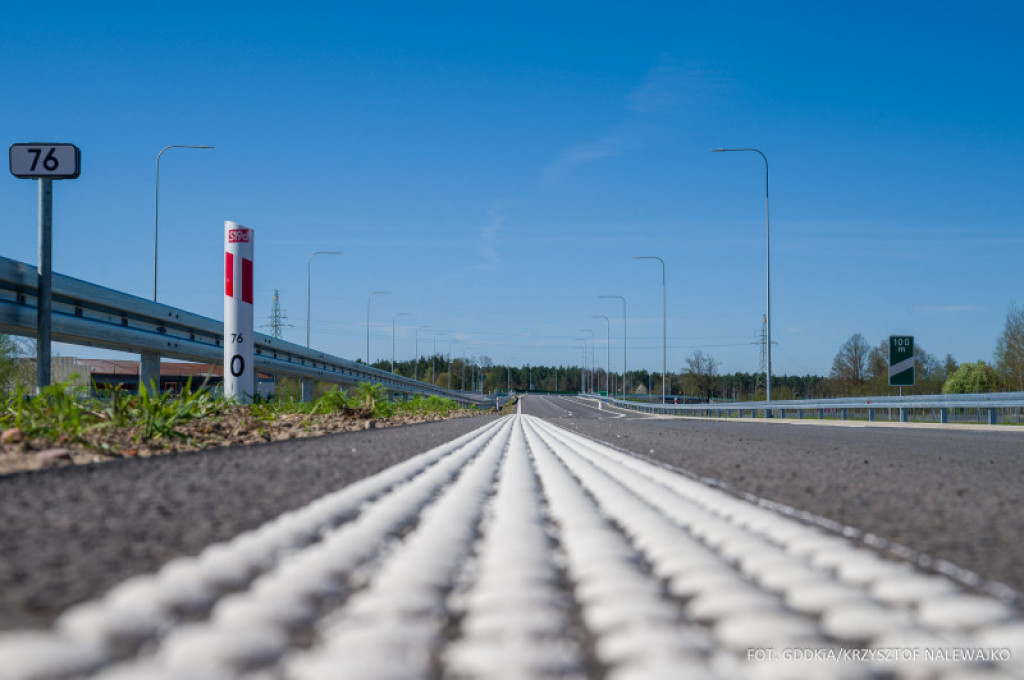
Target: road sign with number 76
x,y
45,161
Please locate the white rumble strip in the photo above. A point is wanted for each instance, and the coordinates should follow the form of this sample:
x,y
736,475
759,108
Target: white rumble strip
x,y
523,550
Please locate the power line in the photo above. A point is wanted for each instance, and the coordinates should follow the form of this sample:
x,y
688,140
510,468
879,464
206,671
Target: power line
x,y
277,318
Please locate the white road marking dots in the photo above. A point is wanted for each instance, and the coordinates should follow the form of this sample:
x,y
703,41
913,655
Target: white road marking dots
x,y
523,550
32,654
410,586
514,605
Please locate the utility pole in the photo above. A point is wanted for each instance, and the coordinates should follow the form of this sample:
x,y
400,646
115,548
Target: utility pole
x,y
763,363
277,318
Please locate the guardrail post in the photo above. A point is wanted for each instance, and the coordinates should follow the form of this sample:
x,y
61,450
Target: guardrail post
x,y
800,414
904,416
149,371
307,390
943,415
991,416
871,415
782,413
846,414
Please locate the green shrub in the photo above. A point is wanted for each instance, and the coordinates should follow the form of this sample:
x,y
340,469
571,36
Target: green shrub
x,y
976,378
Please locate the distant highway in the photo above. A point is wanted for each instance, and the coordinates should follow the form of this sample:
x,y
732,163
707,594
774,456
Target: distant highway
x,y
951,494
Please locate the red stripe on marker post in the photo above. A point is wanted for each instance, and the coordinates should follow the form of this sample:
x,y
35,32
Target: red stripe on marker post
x,y
247,280
229,274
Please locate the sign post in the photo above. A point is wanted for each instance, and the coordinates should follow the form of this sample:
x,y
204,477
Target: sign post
x,y
901,361
239,372
44,162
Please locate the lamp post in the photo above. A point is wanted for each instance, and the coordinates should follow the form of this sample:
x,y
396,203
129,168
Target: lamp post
x,y
416,364
433,359
583,368
156,204
309,267
623,340
368,298
393,317
608,351
664,321
768,270
587,330
449,364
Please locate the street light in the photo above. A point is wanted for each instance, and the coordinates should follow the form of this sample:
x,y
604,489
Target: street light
x,y
664,320
156,204
587,330
608,352
768,269
416,364
368,298
393,317
433,359
583,368
309,267
449,364
623,340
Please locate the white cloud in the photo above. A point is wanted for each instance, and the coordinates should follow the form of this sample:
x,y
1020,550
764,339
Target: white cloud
x,y
648,108
488,240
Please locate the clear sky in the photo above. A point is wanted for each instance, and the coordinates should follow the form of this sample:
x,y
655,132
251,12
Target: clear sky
x,y
497,165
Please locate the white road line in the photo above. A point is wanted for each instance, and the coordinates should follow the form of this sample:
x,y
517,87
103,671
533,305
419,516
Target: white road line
x,y
513,611
523,550
606,415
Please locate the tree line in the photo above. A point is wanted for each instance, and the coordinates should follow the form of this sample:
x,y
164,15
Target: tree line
x,y
861,370
858,369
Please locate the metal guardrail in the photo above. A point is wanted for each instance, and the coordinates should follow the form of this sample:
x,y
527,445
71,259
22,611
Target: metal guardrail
x,y
944,405
84,313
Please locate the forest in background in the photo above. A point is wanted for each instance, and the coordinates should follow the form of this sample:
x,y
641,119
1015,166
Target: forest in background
x,y
858,369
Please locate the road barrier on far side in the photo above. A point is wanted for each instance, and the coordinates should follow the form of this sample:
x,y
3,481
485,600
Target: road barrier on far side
x,y
993,409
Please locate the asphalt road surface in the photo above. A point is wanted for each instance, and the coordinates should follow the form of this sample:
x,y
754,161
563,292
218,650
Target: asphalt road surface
x,y
70,533
569,541
951,494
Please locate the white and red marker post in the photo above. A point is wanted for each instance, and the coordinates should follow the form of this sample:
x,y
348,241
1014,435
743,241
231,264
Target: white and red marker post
x,y
239,372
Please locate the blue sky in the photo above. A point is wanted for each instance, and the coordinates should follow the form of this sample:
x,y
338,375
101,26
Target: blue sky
x,y
497,165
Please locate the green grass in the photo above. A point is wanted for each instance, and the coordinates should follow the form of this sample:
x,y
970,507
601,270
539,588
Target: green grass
x,y
60,413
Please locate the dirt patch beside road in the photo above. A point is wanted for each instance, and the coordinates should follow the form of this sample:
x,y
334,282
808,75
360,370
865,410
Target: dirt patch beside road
x,y
237,425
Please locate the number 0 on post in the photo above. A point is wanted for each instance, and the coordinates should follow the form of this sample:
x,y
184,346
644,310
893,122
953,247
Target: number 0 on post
x,y
239,369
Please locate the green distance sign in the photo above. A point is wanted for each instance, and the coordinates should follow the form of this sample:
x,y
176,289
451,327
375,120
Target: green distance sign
x,y
901,360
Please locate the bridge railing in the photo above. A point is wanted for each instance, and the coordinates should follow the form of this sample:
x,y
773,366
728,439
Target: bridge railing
x,y
994,408
87,314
